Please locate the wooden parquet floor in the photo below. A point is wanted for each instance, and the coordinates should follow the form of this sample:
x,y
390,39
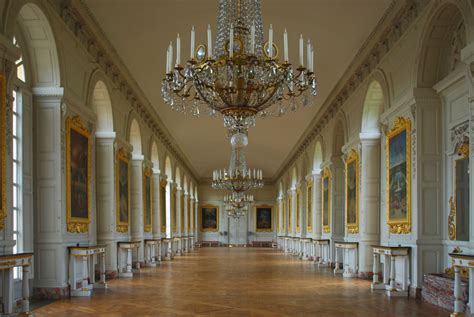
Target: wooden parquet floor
x,y
238,282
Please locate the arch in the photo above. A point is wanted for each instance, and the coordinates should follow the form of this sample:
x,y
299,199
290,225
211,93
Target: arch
x,y
135,138
177,176
168,168
339,135
41,46
155,159
185,184
317,158
102,106
444,36
373,107
294,178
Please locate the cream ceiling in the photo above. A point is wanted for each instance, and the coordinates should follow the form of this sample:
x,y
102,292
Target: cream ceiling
x,y
140,30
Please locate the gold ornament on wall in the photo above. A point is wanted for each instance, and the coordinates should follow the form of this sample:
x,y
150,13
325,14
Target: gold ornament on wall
x,y
78,176
452,219
326,200
398,176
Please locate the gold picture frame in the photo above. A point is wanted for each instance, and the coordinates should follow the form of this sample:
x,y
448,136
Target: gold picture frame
x,y
78,176
147,200
326,200
462,155
3,150
398,176
174,210
163,184
210,221
298,210
189,213
264,218
290,214
277,218
352,193
181,206
309,206
122,183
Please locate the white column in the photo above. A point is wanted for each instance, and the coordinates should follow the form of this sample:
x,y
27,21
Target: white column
x,y
156,204
369,201
136,203
25,304
337,202
293,212
105,197
317,225
186,212
169,211
196,220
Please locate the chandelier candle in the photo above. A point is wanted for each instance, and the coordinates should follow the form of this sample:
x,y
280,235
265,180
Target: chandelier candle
x,y
193,37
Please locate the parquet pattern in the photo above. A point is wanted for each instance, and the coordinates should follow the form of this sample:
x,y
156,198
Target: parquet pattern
x,y
238,282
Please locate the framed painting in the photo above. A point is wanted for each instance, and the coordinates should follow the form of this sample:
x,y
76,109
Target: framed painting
x,y
78,176
147,199
123,191
277,218
290,216
298,210
3,151
309,207
209,218
352,193
174,210
163,205
283,216
263,218
398,164
181,207
326,200
189,213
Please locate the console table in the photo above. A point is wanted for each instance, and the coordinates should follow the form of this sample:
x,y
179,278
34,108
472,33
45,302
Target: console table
x,y
462,261
350,258
392,285
81,262
152,252
168,244
7,263
322,252
125,248
306,248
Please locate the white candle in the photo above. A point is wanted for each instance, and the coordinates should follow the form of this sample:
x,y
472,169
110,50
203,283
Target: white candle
x,y
270,41
231,41
209,42
312,59
171,56
178,50
301,50
168,60
252,39
285,46
193,35
308,53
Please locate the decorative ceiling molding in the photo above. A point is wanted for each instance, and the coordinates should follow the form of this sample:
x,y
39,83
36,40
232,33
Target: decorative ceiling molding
x,y
391,27
83,25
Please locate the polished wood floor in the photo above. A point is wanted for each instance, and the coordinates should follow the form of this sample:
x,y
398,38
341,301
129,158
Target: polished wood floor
x,y
238,282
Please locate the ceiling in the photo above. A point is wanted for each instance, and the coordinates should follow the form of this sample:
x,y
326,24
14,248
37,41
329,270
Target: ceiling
x,y
140,31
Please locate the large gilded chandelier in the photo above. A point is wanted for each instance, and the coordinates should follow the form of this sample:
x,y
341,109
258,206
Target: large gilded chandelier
x,y
238,177
242,76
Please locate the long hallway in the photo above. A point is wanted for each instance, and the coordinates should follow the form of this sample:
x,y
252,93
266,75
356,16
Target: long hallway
x,y
238,282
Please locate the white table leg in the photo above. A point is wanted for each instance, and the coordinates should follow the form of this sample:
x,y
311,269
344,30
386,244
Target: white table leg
x,y
392,273
386,269
72,272
84,271
129,261
91,271
102,283
458,303
7,291
25,303
375,278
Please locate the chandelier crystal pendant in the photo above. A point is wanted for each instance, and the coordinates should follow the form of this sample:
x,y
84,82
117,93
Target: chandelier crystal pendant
x,y
237,204
243,77
238,177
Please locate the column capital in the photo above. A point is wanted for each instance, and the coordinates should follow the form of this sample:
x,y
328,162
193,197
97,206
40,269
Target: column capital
x,y
138,157
105,135
369,137
156,171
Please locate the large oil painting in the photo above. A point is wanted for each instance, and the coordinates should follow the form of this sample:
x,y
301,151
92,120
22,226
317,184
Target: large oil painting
x,y
123,191
209,218
309,207
163,205
298,209
147,199
174,210
264,218
352,193
290,214
398,149
326,200
77,176
3,151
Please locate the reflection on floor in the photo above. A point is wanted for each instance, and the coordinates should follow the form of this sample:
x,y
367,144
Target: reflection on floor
x,y
238,282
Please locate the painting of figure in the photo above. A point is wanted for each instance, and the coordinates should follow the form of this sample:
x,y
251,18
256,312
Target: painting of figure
x,y
209,218
147,201
263,219
398,177
123,191
326,201
163,206
351,192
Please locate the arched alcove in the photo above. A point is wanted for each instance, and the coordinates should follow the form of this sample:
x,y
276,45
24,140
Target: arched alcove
x,y
155,159
135,137
373,107
294,178
102,106
317,158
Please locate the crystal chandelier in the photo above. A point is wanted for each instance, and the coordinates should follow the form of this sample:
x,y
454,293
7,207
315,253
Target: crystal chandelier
x,y
236,213
244,76
237,204
238,177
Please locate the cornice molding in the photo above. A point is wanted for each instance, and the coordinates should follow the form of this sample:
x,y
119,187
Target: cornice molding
x,y
392,26
82,24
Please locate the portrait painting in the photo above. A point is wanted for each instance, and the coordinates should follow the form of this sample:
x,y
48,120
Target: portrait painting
x,y
263,218
326,205
163,205
298,210
123,191
398,176
290,214
309,207
147,199
77,175
209,218
352,193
